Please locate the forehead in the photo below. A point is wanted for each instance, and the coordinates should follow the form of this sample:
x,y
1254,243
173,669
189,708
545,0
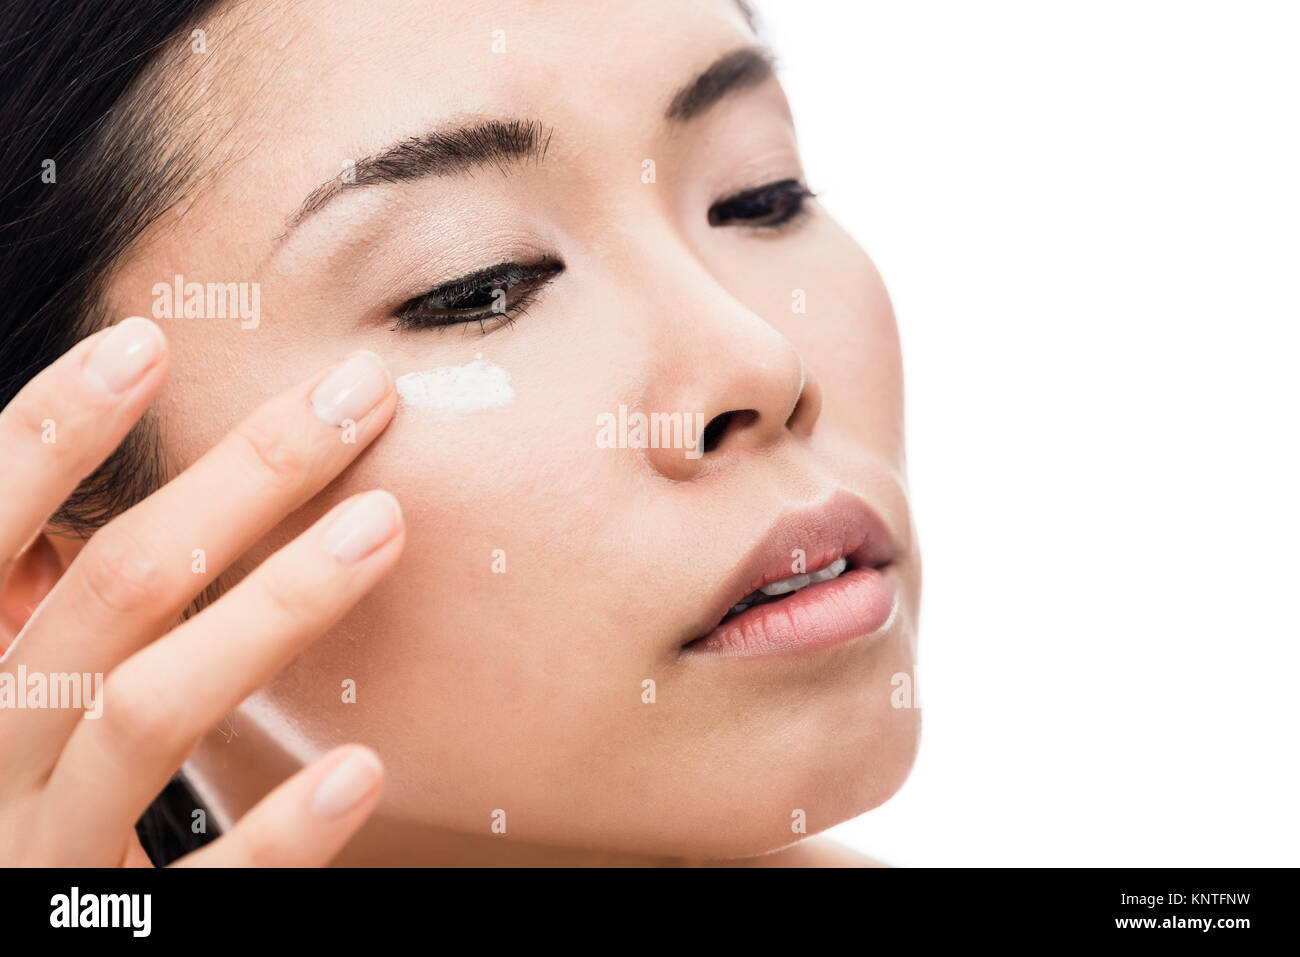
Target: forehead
x,y
284,96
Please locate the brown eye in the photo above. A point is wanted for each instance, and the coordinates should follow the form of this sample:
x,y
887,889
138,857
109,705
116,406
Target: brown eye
x,y
771,205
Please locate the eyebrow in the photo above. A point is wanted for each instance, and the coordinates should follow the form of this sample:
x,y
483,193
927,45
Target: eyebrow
x,y
502,143
461,150
730,73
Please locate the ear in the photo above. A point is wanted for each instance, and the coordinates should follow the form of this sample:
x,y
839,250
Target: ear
x,y
36,570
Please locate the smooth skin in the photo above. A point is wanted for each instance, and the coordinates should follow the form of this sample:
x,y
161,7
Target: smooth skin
x,y
519,690
74,788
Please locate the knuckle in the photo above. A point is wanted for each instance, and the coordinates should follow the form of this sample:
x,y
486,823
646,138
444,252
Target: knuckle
x,y
68,432
123,576
260,849
29,415
136,712
44,426
280,459
294,599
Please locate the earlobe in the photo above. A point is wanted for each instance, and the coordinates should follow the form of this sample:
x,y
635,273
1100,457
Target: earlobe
x,y
33,575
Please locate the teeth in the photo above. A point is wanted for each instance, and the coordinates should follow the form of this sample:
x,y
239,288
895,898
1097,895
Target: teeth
x,y
785,585
833,570
794,583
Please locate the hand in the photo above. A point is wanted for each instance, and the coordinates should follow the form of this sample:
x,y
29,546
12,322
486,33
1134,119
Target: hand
x,y
73,788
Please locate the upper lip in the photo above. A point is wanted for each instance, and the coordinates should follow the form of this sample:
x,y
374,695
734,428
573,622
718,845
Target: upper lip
x,y
843,526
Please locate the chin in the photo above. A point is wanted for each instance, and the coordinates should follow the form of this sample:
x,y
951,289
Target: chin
x,y
847,750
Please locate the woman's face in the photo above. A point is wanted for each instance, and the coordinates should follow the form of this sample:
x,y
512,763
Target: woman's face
x,y
548,577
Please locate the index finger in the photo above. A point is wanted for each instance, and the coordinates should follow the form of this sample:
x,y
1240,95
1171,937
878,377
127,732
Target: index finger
x,y
64,422
138,573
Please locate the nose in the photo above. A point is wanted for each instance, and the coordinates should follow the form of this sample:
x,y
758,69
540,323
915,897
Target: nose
x,y
739,384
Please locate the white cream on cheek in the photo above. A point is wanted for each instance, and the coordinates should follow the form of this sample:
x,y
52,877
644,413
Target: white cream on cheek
x,y
469,388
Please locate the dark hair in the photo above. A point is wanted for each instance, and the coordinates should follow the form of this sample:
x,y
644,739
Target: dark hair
x,y
86,171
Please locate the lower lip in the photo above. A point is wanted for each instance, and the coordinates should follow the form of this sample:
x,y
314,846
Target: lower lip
x,y
860,602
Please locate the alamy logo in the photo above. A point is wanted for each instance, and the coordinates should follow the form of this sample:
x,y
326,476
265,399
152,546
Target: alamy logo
x,y
179,299
658,430
102,910
39,690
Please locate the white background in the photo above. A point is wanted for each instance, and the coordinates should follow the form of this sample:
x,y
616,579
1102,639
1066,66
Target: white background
x,y
1088,215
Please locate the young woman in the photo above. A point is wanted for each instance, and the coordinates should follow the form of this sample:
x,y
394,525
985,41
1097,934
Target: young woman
x,y
454,433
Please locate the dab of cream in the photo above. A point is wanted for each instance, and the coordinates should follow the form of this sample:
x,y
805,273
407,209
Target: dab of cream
x,y
468,388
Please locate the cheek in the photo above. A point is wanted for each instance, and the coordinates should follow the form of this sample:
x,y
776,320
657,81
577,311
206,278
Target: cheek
x,y
861,362
848,337
506,508
484,624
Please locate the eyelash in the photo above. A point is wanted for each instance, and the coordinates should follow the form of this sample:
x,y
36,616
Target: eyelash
x,y
772,206
784,199
418,313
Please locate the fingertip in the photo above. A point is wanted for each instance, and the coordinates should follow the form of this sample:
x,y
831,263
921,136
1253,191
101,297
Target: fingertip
x,y
362,526
371,756
123,355
392,501
353,778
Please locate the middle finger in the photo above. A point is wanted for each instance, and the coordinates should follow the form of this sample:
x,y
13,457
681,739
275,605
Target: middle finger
x,y
139,572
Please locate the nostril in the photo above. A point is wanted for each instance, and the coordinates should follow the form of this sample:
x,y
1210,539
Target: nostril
x,y
721,424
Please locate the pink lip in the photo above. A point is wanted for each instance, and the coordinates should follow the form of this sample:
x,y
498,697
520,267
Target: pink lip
x,y
859,602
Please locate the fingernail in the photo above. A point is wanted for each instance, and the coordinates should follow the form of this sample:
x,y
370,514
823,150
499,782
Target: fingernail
x,y
370,522
351,390
347,783
119,359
